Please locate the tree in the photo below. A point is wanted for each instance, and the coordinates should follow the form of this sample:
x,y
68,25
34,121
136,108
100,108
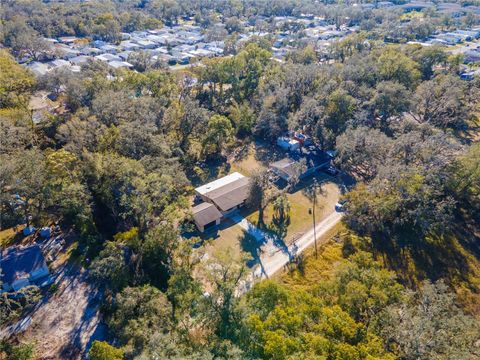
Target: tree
x,y
31,183
441,102
390,99
393,65
407,204
156,253
110,269
339,109
243,117
257,196
139,313
281,208
361,151
465,182
102,350
17,352
428,57
219,132
431,326
141,60
15,82
225,273
29,44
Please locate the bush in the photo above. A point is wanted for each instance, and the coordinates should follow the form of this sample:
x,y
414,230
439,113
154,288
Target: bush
x,y
102,350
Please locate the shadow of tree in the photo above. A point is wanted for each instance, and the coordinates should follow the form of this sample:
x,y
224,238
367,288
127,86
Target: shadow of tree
x,y
434,257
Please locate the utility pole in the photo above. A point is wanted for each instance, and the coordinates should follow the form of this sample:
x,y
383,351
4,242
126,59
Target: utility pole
x,y
313,212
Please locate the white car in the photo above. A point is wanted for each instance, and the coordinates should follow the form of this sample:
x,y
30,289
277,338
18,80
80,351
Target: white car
x,y
339,206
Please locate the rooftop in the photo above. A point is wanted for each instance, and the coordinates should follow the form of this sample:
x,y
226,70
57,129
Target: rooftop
x,y
205,213
211,186
19,263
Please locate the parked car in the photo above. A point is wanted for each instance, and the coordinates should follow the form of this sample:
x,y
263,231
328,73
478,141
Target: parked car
x,y
339,205
331,170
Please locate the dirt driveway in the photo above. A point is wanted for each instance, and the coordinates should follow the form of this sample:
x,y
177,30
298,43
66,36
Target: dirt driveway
x,y
64,324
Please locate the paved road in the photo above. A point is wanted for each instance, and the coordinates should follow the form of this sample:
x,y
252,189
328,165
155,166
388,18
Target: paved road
x,y
273,262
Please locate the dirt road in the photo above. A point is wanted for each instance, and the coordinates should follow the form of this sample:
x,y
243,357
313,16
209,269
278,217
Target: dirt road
x,y
65,323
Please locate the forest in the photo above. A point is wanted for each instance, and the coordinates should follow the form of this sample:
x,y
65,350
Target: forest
x,y
117,166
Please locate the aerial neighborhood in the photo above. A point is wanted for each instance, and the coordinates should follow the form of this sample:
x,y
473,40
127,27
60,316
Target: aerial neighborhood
x,y
239,180
186,43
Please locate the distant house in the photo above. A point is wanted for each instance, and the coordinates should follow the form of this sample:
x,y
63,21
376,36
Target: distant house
x,y
109,49
40,105
81,59
471,56
120,64
108,57
146,44
288,144
38,68
22,266
315,159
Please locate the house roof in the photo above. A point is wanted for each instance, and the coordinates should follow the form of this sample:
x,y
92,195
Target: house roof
x,y
285,165
314,158
205,213
207,188
226,192
230,195
19,263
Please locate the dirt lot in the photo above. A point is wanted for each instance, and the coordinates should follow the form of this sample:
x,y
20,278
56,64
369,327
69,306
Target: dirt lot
x,y
66,322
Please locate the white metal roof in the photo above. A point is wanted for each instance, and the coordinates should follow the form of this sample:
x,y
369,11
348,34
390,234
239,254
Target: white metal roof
x,y
204,189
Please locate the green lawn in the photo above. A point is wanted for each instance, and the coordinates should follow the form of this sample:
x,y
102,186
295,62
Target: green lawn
x,y
301,201
7,236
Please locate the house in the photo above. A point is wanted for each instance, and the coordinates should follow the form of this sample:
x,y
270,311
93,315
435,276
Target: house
x,y
22,266
40,105
69,40
66,52
220,197
120,64
108,57
288,167
81,59
227,193
109,49
288,144
206,216
38,68
471,56
146,44
58,63
470,75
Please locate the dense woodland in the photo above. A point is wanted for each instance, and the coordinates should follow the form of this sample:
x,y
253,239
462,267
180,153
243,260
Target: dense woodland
x,y
118,164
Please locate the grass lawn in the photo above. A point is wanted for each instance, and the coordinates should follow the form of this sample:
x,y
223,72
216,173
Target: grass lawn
x,y
301,220
9,236
316,270
228,235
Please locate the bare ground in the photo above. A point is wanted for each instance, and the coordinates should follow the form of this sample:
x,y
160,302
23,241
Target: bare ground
x,y
65,323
